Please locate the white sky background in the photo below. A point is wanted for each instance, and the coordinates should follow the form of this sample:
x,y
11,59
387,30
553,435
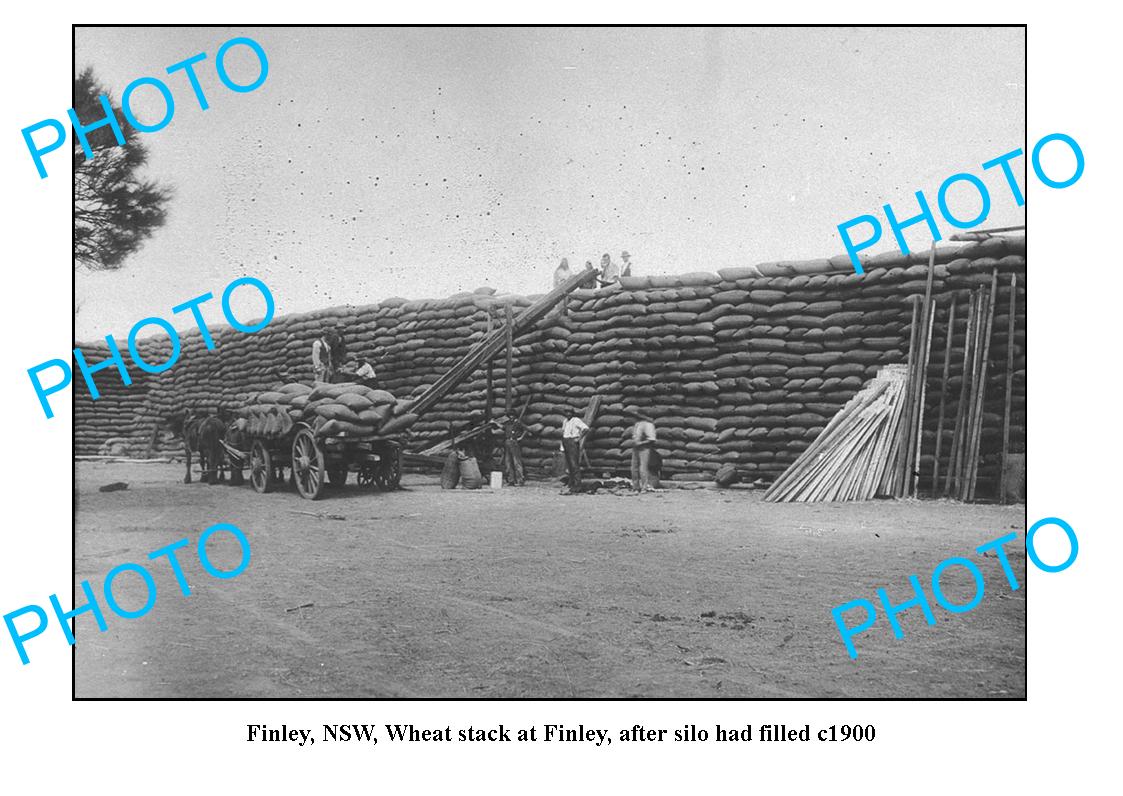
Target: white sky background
x,y
424,162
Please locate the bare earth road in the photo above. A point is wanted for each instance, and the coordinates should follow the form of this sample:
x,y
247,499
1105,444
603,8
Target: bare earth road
x,y
527,593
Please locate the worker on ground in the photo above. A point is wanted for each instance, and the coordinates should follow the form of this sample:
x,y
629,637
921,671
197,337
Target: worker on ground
x,y
643,445
513,471
322,370
573,432
609,271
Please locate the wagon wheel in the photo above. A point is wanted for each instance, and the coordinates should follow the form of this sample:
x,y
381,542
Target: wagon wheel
x,y
366,477
307,464
337,476
261,468
392,469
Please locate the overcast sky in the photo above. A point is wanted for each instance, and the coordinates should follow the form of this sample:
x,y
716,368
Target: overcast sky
x,y
423,162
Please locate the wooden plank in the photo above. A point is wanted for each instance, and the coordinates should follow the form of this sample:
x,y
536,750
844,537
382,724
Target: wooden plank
x,y
972,399
1009,384
981,399
885,447
902,445
963,456
464,436
919,379
489,375
923,377
951,482
884,453
152,440
422,459
943,396
490,346
592,409
509,395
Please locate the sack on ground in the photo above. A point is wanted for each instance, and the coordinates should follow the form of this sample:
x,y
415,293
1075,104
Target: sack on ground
x,y
470,477
450,475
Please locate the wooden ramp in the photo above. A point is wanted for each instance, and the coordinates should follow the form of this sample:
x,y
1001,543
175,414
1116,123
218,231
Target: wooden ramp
x,y
493,343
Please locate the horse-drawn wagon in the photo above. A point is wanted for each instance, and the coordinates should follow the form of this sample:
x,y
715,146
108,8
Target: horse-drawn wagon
x,y
324,433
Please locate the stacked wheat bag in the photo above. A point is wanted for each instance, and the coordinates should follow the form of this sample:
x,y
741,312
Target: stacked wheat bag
x,y
742,367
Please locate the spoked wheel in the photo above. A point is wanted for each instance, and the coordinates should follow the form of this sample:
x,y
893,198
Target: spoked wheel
x,y
366,477
307,465
392,469
261,468
337,476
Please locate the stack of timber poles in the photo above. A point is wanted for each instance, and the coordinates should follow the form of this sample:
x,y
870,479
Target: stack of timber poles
x,y
491,345
858,450
873,446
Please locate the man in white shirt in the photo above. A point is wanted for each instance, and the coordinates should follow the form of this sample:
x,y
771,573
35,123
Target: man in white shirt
x,y
643,443
365,369
609,271
573,431
562,274
361,371
321,358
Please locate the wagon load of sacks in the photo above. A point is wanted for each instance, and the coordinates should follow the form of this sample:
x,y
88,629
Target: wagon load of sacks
x,y
330,409
272,413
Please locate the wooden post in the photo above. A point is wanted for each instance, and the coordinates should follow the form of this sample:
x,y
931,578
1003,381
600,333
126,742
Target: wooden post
x,y
489,395
952,478
901,462
509,396
151,450
1009,384
963,460
980,398
920,379
943,396
914,478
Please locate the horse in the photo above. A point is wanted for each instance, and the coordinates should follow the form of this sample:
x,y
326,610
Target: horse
x,y
202,434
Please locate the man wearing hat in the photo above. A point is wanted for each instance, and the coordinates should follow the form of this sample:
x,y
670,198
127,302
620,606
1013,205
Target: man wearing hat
x,y
643,444
338,353
322,369
574,430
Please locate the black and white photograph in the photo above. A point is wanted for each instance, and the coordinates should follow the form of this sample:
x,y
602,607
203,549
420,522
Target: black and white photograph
x,y
550,363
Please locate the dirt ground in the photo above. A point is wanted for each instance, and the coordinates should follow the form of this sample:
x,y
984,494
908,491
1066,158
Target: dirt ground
x,y
523,592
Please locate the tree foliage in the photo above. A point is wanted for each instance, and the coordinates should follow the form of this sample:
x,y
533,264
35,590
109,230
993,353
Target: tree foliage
x,y
115,209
